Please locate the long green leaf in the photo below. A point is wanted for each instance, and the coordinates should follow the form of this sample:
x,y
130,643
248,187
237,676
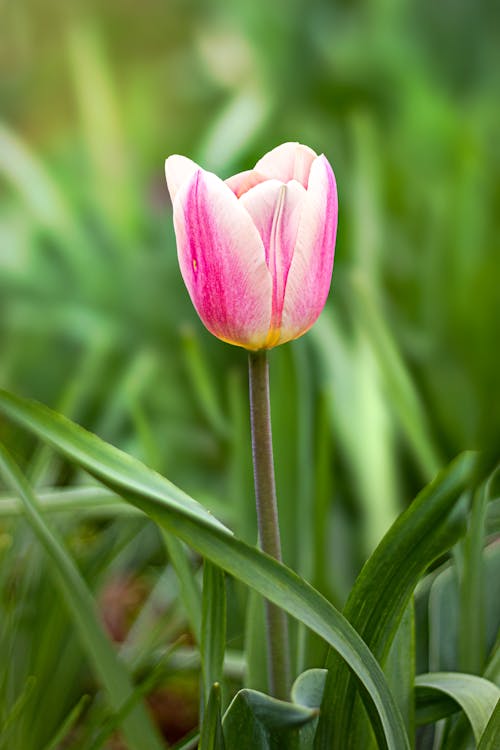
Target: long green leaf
x,y
213,626
384,587
165,503
137,726
67,724
189,589
211,736
476,696
471,636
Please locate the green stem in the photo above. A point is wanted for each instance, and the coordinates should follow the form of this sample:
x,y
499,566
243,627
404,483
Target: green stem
x,y
278,658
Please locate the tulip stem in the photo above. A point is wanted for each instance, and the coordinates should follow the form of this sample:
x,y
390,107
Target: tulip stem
x,y
278,658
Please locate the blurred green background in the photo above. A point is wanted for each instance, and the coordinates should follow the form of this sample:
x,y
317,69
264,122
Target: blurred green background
x,y
399,374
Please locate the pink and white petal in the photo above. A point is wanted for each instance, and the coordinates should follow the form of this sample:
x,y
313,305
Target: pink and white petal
x,y
222,261
275,209
178,170
290,161
243,181
311,268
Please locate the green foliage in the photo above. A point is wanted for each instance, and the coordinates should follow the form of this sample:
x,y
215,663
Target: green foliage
x,y
399,375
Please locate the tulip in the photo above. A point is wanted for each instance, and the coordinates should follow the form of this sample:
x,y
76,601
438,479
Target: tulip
x,y
256,251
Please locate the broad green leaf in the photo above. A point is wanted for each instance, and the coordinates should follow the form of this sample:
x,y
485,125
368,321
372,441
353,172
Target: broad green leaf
x,y
101,459
491,735
472,631
399,668
213,626
211,736
165,504
307,690
255,721
476,696
136,725
383,589
431,707
444,616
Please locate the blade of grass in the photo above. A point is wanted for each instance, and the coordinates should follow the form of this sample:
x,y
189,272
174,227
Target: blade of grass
x,y
211,736
213,627
68,724
92,500
188,587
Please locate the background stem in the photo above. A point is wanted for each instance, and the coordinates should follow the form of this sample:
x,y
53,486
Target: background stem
x,y
278,657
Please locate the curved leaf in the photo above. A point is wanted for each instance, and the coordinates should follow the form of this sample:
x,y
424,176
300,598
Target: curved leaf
x,y
384,587
476,696
308,688
255,721
165,503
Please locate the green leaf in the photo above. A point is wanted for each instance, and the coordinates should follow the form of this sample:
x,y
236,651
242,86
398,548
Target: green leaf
x,y
211,737
153,678
168,506
136,726
188,586
491,735
256,676
307,690
404,397
400,668
93,500
255,721
476,696
15,712
431,707
383,588
444,615
203,387
213,626
472,628
68,724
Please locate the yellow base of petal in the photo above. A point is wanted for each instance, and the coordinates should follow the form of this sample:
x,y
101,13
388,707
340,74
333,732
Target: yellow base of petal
x,y
271,340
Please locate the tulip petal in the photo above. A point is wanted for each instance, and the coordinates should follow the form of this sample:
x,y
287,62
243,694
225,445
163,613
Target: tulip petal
x,y
290,161
243,181
275,209
178,170
222,261
309,277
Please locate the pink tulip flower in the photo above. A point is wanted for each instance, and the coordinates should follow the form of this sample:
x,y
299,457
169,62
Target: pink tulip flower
x,y
256,251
